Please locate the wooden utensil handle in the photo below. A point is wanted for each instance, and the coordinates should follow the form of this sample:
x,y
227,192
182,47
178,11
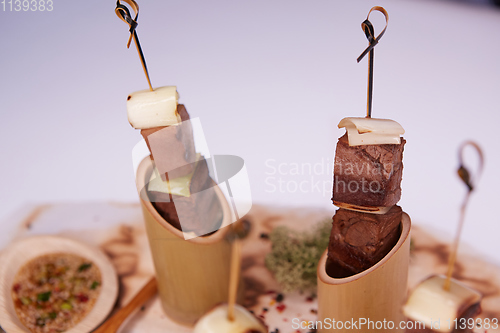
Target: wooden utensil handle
x,y
114,323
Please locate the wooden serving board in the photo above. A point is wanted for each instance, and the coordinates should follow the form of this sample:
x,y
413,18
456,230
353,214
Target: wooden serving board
x,y
118,230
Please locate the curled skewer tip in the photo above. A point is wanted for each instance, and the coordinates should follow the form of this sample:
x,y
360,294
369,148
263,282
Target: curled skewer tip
x,y
367,28
124,14
369,31
463,172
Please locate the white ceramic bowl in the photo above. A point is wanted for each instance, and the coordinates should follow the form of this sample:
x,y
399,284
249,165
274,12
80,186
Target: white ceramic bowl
x,y
21,251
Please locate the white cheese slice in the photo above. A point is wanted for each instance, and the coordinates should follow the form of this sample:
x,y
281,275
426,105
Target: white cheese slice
x,y
148,109
372,131
216,321
178,186
431,304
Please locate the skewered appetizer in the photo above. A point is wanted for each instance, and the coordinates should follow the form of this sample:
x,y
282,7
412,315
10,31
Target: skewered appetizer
x,y
366,187
180,187
441,302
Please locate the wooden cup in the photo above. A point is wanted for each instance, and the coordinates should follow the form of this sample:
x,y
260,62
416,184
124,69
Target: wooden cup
x,y
376,294
193,275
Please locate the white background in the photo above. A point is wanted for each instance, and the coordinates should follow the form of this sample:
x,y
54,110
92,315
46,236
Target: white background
x,y
270,81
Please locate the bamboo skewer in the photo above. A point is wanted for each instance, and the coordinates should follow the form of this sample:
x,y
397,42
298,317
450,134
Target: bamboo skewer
x,y
465,176
441,298
453,254
124,14
370,35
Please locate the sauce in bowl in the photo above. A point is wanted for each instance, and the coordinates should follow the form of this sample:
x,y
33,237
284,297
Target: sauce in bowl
x,y
53,292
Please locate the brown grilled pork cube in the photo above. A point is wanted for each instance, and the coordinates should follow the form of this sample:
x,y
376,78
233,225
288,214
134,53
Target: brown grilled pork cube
x,y
164,205
360,240
201,212
369,175
172,147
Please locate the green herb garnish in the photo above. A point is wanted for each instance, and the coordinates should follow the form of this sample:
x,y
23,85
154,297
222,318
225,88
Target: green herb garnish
x,y
84,267
53,315
25,300
44,297
94,285
295,256
66,306
40,322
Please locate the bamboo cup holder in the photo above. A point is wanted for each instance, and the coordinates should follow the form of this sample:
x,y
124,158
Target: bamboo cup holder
x,y
374,295
193,275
